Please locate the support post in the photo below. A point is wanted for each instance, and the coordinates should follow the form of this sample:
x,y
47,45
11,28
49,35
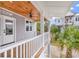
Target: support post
x,y
49,30
42,26
49,53
35,28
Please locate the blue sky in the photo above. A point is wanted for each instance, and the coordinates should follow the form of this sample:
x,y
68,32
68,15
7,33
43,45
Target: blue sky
x,y
75,7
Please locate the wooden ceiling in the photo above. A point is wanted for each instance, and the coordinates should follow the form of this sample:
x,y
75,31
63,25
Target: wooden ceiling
x,y
24,8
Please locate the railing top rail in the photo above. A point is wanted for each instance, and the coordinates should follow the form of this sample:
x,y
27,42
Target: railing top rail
x,y
5,48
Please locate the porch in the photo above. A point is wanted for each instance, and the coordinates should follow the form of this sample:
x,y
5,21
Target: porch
x,y
26,48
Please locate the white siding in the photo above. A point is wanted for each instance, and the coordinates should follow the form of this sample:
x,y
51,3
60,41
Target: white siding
x,y
20,26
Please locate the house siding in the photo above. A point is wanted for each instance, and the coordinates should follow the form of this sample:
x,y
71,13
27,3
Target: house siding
x,y
20,26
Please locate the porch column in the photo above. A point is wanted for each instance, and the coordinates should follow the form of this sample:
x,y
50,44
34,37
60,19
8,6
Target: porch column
x,y
35,28
49,28
49,54
42,26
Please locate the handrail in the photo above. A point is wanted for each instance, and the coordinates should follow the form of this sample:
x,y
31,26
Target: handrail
x,y
37,41
17,43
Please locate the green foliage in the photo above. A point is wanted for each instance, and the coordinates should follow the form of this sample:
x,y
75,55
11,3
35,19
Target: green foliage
x,y
45,27
55,32
69,37
54,29
38,26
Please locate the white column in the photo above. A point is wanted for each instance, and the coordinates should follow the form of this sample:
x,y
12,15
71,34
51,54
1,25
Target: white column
x,y
49,54
42,26
49,50
35,28
49,28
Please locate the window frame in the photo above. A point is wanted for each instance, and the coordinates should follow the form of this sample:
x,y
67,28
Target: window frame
x,y
29,24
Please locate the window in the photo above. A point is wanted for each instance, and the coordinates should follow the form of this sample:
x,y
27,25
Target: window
x,y
55,20
58,21
9,27
67,20
28,26
76,19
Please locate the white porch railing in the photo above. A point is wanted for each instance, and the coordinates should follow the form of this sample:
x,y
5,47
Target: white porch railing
x,y
24,48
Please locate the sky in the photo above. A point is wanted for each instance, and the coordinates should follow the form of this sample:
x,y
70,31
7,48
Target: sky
x,y
74,9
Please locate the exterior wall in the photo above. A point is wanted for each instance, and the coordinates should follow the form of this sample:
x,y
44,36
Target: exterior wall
x,y
67,21
58,22
76,22
20,26
0,33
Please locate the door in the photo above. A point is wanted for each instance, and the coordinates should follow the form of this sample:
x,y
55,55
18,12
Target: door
x,y
8,30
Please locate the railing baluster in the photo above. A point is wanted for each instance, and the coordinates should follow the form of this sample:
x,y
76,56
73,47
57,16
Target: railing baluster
x,y
27,48
24,50
17,52
5,54
20,51
35,44
33,47
30,49
31,52
12,53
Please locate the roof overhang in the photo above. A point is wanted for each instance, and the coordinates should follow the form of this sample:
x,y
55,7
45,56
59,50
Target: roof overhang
x,y
53,8
24,8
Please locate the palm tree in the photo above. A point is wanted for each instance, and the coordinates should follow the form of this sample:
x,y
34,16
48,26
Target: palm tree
x,y
55,32
56,35
69,38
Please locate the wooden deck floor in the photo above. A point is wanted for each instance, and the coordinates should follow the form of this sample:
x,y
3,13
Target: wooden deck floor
x,y
39,52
